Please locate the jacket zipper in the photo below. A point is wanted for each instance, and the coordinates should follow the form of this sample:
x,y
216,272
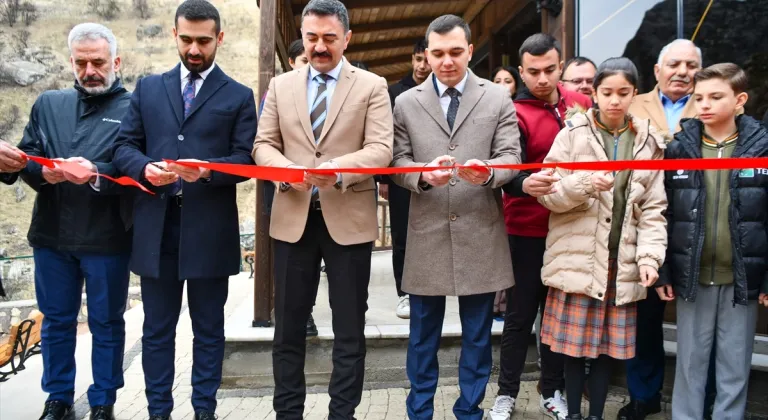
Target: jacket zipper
x,y
717,213
556,112
615,147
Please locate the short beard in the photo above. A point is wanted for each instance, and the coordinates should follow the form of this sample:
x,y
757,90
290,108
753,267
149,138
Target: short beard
x,y
204,65
111,77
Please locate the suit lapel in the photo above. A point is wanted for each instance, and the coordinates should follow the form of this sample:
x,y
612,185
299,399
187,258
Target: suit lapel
x,y
215,80
172,82
300,99
428,99
473,92
656,111
340,93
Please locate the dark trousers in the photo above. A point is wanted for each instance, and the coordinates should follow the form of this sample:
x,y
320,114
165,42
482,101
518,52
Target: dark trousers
x,y
524,300
296,281
162,299
427,314
399,203
645,372
59,278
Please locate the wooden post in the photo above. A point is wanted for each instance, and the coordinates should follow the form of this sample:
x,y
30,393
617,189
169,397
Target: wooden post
x,y
263,287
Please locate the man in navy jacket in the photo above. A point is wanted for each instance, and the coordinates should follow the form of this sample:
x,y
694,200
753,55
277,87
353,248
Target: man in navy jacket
x,y
189,229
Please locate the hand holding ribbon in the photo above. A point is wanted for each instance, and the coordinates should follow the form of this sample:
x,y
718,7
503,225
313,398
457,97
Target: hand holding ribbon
x,y
475,172
440,177
11,158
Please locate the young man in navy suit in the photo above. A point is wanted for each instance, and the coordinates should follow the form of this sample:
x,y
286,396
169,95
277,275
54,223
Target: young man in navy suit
x,y
188,231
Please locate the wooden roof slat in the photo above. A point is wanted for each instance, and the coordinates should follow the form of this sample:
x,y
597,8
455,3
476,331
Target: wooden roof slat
x,y
396,59
383,45
369,4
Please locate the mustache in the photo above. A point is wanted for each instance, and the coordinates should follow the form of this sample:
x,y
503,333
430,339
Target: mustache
x,y
680,79
321,54
195,57
89,79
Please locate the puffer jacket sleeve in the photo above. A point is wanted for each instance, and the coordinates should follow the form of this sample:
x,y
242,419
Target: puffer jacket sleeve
x,y
665,273
574,188
652,225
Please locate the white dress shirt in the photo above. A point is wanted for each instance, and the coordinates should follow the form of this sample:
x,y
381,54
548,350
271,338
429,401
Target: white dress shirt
x,y
198,82
445,99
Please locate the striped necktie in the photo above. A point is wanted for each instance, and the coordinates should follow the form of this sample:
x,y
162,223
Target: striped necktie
x,y
318,113
319,109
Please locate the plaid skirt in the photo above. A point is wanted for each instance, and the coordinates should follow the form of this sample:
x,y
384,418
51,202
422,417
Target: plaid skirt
x,y
580,326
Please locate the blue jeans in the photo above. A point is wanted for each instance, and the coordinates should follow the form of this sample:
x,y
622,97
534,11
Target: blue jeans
x,y
59,278
427,313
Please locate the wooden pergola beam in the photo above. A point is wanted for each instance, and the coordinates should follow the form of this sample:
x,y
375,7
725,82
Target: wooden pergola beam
x,y
365,28
382,45
395,77
367,4
396,59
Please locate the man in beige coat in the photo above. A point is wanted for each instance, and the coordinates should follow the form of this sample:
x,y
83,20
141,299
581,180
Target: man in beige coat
x,y
457,244
328,114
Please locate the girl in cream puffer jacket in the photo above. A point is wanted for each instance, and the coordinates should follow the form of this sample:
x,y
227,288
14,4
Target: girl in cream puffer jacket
x,y
607,236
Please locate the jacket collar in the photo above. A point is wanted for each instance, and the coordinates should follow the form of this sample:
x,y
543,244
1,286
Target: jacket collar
x,y
116,88
751,132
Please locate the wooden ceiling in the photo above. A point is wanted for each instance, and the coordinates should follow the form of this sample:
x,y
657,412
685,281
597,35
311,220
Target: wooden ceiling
x,y
384,31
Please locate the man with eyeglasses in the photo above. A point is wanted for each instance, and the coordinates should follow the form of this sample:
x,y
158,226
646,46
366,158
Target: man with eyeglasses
x,y
579,74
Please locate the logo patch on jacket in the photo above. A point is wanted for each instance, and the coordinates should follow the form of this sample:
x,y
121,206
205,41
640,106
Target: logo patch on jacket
x,y
680,174
747,173
111,120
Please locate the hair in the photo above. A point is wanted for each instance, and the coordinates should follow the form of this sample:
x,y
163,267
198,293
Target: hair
x,y
513,71
447,23
197,11
328,8
93,31
674,43
540,44
614,66
729,72
420,46
295,49
578,61
359,64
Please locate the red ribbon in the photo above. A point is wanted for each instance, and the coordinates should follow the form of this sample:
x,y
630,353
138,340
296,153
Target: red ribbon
x,y
75,169
294,175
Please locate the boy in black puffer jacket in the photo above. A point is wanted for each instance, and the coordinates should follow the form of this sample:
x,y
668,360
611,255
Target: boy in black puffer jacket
x,y
717,259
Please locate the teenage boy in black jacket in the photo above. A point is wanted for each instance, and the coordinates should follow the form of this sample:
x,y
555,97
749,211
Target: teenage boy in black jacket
x,y
718,246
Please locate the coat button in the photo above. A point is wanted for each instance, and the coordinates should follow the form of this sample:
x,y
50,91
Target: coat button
x,y
453,217
607,220
599,295
318,154
181,137
452,182
452,147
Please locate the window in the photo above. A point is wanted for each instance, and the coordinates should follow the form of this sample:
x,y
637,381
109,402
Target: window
x,y
637,29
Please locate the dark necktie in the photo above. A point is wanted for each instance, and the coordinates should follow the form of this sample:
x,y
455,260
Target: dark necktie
x,y
319,109
189,97
453,108
189,93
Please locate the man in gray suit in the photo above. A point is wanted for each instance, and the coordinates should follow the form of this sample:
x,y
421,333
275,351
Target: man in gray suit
x,y
457,244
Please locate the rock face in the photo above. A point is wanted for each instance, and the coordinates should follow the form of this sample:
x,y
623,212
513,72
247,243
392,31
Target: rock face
x,y
23,73
741,41
148,31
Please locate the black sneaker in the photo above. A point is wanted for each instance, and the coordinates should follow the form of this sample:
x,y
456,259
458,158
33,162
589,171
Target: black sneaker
x,y
103,412
639,410
58,410
311,327
205,415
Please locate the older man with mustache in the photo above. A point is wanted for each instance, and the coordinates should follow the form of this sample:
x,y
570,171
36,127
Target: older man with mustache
x,y
666,105
79,232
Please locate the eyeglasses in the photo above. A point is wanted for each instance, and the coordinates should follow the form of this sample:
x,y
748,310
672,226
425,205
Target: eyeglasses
x,y
580,81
